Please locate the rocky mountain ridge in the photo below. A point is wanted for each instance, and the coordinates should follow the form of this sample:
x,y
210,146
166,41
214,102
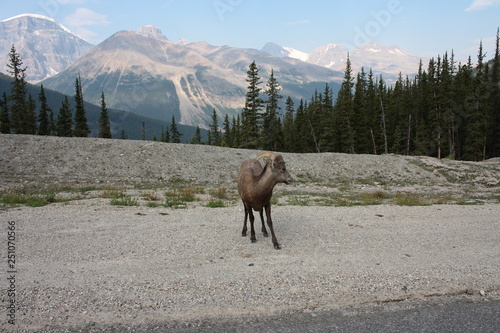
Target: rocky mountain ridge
x,y
46,47
145,73
388,61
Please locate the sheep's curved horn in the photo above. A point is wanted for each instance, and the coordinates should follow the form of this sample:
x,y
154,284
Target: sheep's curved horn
x,y
270,155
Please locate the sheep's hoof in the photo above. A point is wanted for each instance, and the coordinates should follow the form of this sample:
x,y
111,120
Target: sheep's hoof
x,y
277,246
265,234
253,240
244,234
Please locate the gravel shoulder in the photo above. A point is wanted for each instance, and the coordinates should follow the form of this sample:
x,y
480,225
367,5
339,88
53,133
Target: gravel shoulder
x,y
87,265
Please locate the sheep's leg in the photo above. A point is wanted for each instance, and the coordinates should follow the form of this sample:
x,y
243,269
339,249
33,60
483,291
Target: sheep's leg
x,y
252,229
244,231
264,230
270,224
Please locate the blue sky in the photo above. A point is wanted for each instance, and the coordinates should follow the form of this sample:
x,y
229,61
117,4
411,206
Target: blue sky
x,y
425,28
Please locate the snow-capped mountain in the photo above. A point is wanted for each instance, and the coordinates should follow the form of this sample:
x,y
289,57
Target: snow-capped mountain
x,y
283,51
332,56
383,59
388,61
46,47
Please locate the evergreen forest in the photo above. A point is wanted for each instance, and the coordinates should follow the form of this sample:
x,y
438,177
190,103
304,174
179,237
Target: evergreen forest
x,y
447,110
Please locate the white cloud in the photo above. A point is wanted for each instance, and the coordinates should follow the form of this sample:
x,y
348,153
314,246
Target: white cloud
x,y
85,17
82,21
482,4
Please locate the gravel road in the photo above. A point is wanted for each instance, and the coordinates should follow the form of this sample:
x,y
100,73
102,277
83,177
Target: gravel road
x,y
88,265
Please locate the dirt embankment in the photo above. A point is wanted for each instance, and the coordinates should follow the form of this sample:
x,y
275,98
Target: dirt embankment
x,y
53,162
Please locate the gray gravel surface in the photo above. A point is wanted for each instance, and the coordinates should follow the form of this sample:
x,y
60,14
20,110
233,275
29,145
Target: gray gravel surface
x,y
88,265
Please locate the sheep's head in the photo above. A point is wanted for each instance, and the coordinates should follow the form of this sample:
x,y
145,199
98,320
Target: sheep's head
x,y
277,165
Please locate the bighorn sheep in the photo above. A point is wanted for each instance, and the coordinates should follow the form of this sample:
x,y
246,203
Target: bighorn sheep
x,y
255,186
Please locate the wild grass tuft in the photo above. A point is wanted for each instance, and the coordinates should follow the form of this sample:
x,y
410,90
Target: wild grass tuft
x,y
31,200
215,204
125,201
409,199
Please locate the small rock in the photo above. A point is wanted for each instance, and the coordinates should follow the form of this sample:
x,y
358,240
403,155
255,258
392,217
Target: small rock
x,y
482,293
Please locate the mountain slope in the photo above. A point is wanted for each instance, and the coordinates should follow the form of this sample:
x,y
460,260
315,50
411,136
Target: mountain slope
x,y
151,77
45,46
157,78
129,122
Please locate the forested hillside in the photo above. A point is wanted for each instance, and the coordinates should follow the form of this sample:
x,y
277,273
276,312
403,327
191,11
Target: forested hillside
x,y
448,109
122,122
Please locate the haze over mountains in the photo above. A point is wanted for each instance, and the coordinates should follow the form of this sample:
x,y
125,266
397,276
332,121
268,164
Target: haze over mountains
x,y
145,73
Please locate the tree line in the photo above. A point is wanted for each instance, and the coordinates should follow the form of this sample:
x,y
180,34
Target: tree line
x,y
18,111
447,110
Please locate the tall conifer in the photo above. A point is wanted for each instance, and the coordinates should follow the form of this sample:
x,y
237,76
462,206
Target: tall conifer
x,y
344,111
175,134
104,125
45,115
18,98
81,126
251,115
271,126
64,126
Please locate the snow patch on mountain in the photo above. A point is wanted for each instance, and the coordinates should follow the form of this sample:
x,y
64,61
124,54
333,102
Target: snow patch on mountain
x,y
41,17
296,54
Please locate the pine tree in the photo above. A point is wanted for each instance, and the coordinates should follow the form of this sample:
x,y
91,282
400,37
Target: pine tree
x,y
213,134
196,139
123,135
290,135
494,145
272,129
235,131
344,110
4,115
104,125
45,127
324,120
372,111
227,139
18,98
64,126
302,130
478,112
362,135
250,120
81,127
175,134
166,135
29,120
